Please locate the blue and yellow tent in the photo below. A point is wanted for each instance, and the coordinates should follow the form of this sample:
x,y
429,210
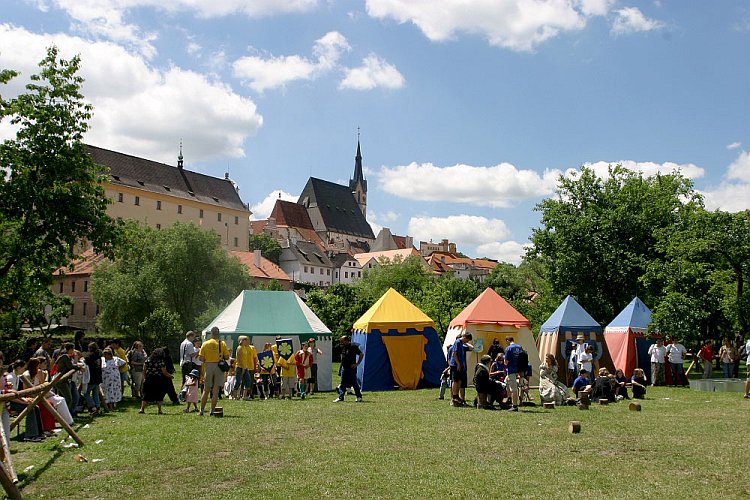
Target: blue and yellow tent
x,y
401,346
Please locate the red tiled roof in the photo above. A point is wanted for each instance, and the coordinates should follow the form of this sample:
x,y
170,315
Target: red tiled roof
x,y
83,266
400,241
288,213
257,226
267,270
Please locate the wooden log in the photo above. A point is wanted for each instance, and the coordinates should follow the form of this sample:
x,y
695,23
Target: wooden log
x,y
65,425
634,406
9,486
690,368
574,427
218,411
549,406
33,391
582,406
604,401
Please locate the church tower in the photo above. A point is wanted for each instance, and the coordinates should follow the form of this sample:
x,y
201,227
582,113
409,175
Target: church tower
x,y
358,184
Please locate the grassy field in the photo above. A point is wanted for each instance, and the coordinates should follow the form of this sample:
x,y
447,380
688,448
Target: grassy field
x,y
402,444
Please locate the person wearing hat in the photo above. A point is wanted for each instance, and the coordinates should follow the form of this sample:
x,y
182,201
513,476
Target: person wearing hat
x,y
582,383
191,389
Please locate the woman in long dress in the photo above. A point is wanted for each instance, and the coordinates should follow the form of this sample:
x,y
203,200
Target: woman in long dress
x,y
111,381
551,390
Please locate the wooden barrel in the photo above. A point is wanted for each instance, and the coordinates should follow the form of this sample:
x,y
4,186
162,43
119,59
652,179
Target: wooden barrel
x,y
218,411
574,427
604,401
549,406
634,406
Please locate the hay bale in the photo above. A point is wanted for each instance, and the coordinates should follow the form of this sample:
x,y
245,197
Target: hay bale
x,y
634,406
574,427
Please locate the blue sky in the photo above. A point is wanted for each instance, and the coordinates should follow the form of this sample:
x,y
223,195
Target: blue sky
x,y
468,110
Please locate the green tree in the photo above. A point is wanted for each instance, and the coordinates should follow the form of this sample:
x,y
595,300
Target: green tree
x,y
182,268
407,276
443,298
599,236
52,202
338,306
269,247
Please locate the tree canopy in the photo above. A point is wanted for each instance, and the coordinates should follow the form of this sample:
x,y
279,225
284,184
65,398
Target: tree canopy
x,y
269,247
52,203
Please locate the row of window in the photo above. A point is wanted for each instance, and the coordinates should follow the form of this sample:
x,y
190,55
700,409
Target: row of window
x,y
73,286
84,309
137,202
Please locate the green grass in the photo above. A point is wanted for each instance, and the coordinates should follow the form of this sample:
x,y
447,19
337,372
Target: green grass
x,y
402,444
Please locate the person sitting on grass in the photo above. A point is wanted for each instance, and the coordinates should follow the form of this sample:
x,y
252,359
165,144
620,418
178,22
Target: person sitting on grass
x,y
582,384
483,383
639,384
604,386
621,390
497,368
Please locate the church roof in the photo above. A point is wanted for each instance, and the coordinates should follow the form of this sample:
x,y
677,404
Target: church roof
x,y
339,210
288,213
163,179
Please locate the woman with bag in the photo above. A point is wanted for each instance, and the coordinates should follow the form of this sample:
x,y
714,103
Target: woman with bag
x,y
213,354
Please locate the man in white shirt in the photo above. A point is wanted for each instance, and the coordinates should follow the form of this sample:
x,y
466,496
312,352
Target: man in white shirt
x,y
657,352
676,353
187,354
747,363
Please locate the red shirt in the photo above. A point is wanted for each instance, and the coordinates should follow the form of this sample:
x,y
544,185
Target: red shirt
x,y
706,353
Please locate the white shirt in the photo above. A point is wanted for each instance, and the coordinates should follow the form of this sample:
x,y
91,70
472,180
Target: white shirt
x,y
657,353
584,361
676,352
747,350
187,351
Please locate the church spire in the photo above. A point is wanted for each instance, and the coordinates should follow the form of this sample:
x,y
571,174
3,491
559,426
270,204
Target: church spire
x,y
358,183
179,157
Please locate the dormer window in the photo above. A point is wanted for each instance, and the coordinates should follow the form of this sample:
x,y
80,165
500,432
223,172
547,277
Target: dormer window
x,y
167,188
141,183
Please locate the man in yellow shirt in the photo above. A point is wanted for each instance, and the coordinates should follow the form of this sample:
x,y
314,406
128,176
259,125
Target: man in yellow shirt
x,y
124,369
245,364
212,350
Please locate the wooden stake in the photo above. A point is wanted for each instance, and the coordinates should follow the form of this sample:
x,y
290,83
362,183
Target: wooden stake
x,y
574,427
57,416
634,406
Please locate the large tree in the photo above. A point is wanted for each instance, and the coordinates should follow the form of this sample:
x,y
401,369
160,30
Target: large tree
x,y
269,247
182,269
52,202
599,236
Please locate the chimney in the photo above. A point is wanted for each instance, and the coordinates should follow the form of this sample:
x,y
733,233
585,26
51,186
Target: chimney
x,y
409,242
256,254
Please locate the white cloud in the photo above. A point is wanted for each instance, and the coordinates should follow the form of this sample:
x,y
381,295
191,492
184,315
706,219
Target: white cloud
x,y
268,73
140,109
106,18
499,186
631,20
378,220
734,145
374,72
731,197
263,208
503,251
648,168
740,168
518,25
469,230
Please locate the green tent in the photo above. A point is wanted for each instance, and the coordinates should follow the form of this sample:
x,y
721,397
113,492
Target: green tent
x,y
262,315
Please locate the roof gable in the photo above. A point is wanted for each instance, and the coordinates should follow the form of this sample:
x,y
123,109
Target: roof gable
x,y
163,179
490,308
266,270
338,208
393,311
634,315
288,213
570,314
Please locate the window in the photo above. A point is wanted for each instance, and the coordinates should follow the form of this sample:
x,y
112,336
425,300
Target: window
x,y
201,214
336,275
236,220
158,204
312,270
61,287
305,268
321,270
84,308
86,286
359,274
346,274
328,272
97,309
119,197
179,209
219,214
72,287
137,200
236,241
73,309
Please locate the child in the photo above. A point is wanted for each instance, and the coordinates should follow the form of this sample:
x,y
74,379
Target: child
x,y
497,369
259,386
191,384
523,385
445,382
621,391
639,384
303,364
288,369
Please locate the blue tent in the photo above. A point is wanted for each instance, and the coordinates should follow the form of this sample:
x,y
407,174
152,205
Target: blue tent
x,y
626,338
563,326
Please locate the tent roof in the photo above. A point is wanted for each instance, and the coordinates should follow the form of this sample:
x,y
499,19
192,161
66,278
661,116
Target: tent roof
x,y
393,312
490,308
261,312
569,314
634,315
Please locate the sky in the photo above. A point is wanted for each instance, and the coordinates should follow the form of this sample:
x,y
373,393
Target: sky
x,y
467,111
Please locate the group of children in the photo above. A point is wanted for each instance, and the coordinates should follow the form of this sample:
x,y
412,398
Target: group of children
x,y
266,375
613,387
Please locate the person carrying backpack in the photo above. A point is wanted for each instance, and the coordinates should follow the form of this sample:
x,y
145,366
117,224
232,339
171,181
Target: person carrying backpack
x,y
516,362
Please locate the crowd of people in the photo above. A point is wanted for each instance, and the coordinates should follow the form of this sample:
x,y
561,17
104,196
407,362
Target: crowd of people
x,y
502,375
